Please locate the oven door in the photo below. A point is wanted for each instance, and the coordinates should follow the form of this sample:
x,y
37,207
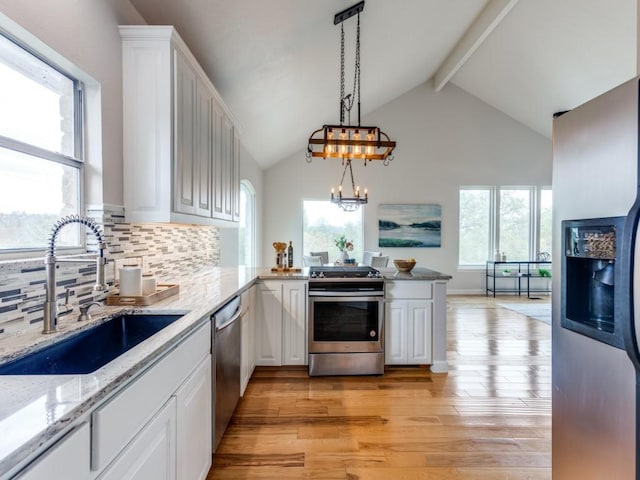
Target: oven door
x,y
346,324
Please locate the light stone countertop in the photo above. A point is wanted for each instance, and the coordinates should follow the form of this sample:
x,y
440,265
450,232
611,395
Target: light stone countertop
x,y
391,273
417,273
37,409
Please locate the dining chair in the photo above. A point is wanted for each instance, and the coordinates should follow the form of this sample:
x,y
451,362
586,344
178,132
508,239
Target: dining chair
x,y
312,260
380,261
323,255
366,257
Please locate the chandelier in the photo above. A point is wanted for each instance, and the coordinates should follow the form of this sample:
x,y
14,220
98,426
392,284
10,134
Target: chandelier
x,y
349,204
345,141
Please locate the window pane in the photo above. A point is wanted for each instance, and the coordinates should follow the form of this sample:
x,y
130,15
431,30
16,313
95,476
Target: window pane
x,y
546,220
515,223
34,194
475,226
323,222
37,101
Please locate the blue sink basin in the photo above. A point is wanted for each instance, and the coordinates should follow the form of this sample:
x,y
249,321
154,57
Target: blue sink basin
x,y
90,349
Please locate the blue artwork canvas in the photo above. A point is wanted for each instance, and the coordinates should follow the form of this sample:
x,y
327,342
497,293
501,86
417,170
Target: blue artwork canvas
x,y
416,226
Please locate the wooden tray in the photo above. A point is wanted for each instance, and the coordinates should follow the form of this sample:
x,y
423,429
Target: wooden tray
x,y
286,269
163,291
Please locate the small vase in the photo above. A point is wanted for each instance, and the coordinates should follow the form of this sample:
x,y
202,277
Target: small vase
x,y
343,256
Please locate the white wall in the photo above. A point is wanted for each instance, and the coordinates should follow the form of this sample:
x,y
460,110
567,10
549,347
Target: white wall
x,y
445,140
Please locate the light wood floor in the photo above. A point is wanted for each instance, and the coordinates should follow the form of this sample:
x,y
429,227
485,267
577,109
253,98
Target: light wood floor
x,y
488,418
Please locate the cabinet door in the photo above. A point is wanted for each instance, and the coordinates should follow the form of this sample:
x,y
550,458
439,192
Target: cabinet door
x,y
193,404
252,330
152,453
68,459
227,167
185,196
420,323
395,337
247,324
244,352
222,166
204,159
294,323
235,180
269,324
222,149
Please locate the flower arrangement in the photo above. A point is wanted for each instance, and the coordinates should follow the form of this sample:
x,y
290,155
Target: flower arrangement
x,y
343,244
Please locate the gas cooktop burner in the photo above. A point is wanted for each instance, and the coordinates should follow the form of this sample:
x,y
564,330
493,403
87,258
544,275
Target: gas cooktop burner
x,y
344,272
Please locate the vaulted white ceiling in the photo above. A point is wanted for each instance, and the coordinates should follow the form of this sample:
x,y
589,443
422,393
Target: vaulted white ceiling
x,y
276,62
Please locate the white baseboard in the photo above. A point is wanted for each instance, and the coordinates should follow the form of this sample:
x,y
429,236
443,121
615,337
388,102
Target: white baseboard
x,y
465,292
440,367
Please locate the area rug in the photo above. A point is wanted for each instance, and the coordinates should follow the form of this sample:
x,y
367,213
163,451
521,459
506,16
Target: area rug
x,y
539,311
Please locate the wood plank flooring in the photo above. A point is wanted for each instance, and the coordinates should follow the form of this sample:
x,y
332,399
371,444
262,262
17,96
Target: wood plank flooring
x,y
488,418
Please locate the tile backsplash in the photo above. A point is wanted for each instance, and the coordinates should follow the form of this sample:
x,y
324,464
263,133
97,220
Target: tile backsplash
x,y
168,251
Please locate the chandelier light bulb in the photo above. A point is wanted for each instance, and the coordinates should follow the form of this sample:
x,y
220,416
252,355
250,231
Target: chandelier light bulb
x,y
344,149
330,148
370,138
357,149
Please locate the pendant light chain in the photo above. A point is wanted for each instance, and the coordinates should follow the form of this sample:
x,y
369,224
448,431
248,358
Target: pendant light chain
x,y
347,101
353,183
348,141
341,73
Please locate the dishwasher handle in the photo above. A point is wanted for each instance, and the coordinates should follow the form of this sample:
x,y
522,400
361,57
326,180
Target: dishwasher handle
x,y
227,323
226,315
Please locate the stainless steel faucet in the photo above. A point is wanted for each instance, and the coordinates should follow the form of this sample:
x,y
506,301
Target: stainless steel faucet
x,y
51,304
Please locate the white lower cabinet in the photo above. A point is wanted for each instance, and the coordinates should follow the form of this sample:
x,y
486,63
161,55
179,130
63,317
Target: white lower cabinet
x,y
408,327
294,323
409,323
152,453
159,426
68,458
193,404
281,323
269,323
247,326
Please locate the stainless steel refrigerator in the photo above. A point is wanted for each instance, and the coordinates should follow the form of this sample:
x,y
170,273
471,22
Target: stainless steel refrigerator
x,y
595,352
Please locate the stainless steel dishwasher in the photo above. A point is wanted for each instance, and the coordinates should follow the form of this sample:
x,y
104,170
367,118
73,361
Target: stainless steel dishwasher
x,y
226,379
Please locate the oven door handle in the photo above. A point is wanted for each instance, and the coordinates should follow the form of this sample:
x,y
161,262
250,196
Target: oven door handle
x,y
362,293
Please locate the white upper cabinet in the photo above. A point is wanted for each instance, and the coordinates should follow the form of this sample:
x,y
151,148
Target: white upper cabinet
x,y
181,147
224,186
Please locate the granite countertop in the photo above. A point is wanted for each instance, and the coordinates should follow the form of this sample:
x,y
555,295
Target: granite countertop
x,y
35,409
417,273
391,273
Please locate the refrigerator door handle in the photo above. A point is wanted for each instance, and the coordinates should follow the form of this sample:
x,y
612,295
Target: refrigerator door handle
x,y
628,284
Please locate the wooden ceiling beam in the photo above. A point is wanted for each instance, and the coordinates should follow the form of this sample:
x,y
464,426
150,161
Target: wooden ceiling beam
x,y
488,19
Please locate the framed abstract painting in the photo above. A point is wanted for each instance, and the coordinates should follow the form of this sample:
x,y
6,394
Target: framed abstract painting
x,y
417,226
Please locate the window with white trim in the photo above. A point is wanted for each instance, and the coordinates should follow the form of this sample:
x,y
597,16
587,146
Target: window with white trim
x,y
323,222
41,167
515,221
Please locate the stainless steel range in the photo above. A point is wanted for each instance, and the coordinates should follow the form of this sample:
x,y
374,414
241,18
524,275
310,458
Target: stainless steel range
x,y
346,321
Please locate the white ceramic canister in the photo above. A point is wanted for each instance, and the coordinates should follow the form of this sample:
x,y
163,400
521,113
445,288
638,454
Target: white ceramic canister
x,y
149,284
130,281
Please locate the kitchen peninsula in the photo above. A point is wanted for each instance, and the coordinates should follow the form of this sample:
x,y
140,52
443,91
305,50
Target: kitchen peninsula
x,y
41,412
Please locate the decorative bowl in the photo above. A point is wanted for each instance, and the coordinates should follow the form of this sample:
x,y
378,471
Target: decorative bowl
x,y
404,265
